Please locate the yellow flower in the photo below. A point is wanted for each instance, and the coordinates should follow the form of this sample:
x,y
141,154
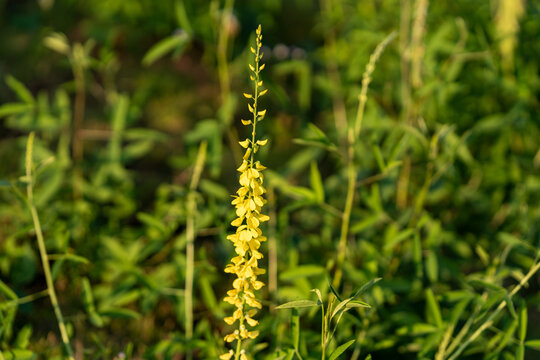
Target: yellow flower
x,y
247,238
227,356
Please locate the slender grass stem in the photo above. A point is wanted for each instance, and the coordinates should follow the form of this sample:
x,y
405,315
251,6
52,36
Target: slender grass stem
x,y
224,76
190,246
332,68
352,173
489,321
43,250
77,130
323,332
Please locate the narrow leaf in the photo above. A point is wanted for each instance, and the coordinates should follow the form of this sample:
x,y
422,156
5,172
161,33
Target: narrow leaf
x,y
340,350
297,304
175,42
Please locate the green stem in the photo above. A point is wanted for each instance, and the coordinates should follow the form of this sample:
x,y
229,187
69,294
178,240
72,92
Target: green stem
x,y
190,247
43,250
239,341
489,321
78,120
224,79
323,331
352,136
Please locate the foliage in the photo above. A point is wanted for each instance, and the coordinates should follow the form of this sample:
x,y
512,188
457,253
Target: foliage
x,y
427,179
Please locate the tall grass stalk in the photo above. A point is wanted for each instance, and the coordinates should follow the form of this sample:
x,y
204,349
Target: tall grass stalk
x,y
224,37
490,319
352,172
43,250
190,237
328,8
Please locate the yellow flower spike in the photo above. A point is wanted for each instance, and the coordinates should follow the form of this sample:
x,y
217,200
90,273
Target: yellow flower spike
x,y
248,203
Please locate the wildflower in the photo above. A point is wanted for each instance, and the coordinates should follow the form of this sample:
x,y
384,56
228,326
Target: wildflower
x,y
248,237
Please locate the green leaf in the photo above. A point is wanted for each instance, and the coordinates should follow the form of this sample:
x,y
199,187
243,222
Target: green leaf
x,y
23,337
4,289
301,272
182,17
119,313
433,308
340,350
297,304
487,285
432,266
175,42
333,290
533,344
522,332
398,238
316,182
510,304
20,90
152,222
70,257
340,307
365,287
14,108
319,296
18,355
88,299
357,304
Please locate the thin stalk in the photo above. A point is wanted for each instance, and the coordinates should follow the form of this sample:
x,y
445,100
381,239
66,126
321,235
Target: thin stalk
x,y
417,47
464,330
332,68
489,321
239,341
323,331
224,78
352,136
43,250
222,47
404,31
190,246
78,120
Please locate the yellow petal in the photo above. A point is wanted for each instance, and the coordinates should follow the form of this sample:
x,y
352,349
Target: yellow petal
x,y
226,356
244,143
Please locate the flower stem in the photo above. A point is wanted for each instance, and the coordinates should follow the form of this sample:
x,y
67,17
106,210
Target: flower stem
x,y
43,250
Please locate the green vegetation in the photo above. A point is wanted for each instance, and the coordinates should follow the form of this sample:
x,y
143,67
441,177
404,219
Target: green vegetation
x,y
402,185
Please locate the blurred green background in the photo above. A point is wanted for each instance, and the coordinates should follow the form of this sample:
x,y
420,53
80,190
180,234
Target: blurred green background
x,y
121,94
